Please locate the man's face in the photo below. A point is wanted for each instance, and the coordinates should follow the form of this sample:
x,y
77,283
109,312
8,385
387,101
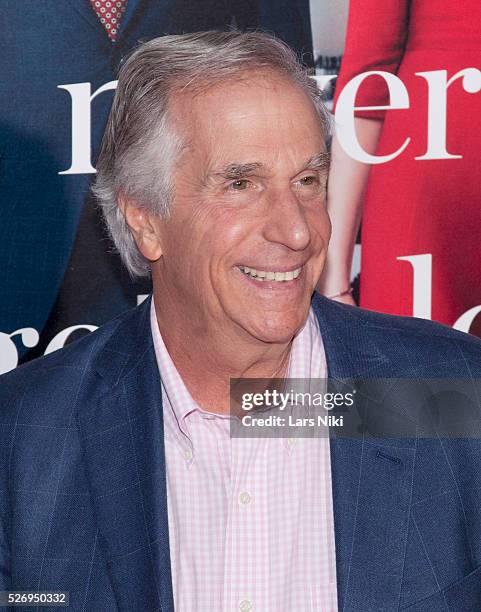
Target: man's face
x,y
246,240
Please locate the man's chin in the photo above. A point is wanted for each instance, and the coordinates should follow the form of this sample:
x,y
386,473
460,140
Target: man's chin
x,y
276,330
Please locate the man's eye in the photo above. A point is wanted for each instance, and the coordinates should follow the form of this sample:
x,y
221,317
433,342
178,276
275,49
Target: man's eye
x,y
309,180
239,185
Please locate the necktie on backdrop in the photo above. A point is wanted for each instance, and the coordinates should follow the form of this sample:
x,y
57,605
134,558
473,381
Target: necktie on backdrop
x,y
110,14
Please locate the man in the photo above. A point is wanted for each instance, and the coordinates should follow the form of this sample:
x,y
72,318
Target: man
x,y
120,483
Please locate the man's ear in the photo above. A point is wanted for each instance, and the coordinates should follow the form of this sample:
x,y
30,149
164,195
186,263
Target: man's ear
x,y
144,226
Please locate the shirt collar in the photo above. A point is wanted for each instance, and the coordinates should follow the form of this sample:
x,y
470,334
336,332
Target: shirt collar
x,y
177,393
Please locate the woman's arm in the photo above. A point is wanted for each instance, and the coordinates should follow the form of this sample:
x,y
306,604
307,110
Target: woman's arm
x,y
375,40
347,183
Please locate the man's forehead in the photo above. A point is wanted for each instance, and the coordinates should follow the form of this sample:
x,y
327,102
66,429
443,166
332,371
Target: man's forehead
x,y
250,94
245,135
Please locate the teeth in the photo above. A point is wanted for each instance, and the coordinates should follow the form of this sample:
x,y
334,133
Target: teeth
x,y
261,275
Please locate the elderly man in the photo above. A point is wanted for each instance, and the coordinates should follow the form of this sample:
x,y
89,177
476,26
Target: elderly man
x,y
120,482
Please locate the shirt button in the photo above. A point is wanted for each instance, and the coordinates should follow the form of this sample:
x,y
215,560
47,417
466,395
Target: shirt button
x,y
291,441
245,605
245,498
188,455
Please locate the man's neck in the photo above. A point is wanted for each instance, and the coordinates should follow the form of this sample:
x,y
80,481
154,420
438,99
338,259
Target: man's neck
x,y
207,362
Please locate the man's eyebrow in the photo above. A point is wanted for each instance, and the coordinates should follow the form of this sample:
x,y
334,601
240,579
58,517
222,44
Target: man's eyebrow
x,y
233,171
319,161
238,170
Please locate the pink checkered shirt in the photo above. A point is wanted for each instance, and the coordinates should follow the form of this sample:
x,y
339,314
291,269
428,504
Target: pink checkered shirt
x,y
250,519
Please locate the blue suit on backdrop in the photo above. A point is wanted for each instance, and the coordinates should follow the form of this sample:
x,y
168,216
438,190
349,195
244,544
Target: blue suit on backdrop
x,y
51,235
83,503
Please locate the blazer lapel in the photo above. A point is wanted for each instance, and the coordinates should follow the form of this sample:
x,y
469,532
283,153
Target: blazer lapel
x,y
371,478
123,445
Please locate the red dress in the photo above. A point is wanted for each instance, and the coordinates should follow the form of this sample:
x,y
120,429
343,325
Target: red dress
x,y
415,207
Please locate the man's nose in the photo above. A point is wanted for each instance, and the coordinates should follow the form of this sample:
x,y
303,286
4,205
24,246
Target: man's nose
x,y
286,221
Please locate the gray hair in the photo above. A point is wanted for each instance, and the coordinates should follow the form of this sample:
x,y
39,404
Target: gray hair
x,y
140,146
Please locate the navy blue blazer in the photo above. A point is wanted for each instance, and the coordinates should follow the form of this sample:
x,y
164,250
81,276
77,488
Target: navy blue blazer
x,y
82,481
59,42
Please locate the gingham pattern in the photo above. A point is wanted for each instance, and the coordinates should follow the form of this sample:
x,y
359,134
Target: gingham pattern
x,y
250,520
110,14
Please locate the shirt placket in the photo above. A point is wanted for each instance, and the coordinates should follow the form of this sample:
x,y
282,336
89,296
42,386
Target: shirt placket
x,y
239,581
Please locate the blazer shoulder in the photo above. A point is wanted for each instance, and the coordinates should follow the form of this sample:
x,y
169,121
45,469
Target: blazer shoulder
x,y
415,340
53,379
417,327
423,339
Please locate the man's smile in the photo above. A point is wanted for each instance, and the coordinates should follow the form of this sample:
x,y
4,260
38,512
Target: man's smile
x,y
273,276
